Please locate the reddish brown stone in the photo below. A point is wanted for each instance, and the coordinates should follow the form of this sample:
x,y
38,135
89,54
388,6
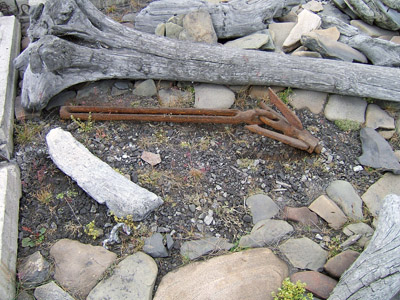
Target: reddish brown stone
x,y
318,284
300,214
21,114
340,263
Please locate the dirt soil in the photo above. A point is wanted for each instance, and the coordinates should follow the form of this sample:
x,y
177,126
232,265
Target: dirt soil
x,y
208,167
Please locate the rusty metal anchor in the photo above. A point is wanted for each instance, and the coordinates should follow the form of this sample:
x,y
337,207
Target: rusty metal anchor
x,y
292,131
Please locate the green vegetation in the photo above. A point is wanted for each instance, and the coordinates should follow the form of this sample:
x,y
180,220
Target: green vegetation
x,y
285,95
292,291
34,239
87,126
347,125
334,246
25,132
92,231
44,195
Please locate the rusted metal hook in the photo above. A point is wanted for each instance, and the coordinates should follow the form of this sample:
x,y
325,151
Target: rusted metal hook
x,y
292,132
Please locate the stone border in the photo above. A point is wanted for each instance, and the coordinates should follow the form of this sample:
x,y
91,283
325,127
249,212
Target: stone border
x,y
10,182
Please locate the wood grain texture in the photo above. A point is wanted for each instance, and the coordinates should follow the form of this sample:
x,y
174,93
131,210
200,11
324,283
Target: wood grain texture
x,y
376,272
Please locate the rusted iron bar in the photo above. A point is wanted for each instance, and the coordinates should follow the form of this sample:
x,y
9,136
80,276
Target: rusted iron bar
x,y
292,132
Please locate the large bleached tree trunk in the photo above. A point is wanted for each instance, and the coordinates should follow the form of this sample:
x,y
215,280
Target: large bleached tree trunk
x,y
73,42
376,272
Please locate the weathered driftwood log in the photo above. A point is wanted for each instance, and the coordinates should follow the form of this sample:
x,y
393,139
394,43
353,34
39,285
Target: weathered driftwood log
x,y
230,19
74,43
376,272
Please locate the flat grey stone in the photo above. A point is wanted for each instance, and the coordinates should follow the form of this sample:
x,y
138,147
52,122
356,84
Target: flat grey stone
x,y
160,29
132,278
252,41
154,246
251,274
10,36
51,291
262,207
307,21
24,295
376,117
130,17
373,197
304,254
345,29
280,31
174,97
122,196
198,27
123,84
344,195
34,270
146,88
10,187
345,108
78,267
313,6
60,99
197,248
302,53
330,48
213,96
377,152
363,229
269,46
372,31
98,88
172,30
265,232
329,211
378,51
314,101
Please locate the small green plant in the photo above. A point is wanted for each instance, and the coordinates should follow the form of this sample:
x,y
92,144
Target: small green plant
x,y
334,246
69,194
236,247
44,195
87,126
34,239
347,125
285,95
128,220
292,291
92,231
25,132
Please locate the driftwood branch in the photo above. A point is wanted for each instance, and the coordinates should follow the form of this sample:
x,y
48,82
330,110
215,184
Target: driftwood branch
x,y
376,272
230,19
74,43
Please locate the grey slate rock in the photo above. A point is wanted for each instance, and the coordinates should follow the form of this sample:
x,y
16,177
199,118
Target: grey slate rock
x,y
344,28
172,30
304,254
262,207
51,291
195,249
169,240
213,96
372,31
252,41
34,270
154,246
378,51
376,117
132,278
122,196
330,48
363,229
269,46
344,195
377,152
265,233
24,295
198,27
60,99
345,108
146,88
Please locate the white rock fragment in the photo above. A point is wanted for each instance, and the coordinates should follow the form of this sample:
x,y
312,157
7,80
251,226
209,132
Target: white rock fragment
x,y
98,179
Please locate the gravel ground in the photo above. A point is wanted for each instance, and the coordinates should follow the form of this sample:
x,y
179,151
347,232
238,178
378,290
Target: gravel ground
x,y
204,167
